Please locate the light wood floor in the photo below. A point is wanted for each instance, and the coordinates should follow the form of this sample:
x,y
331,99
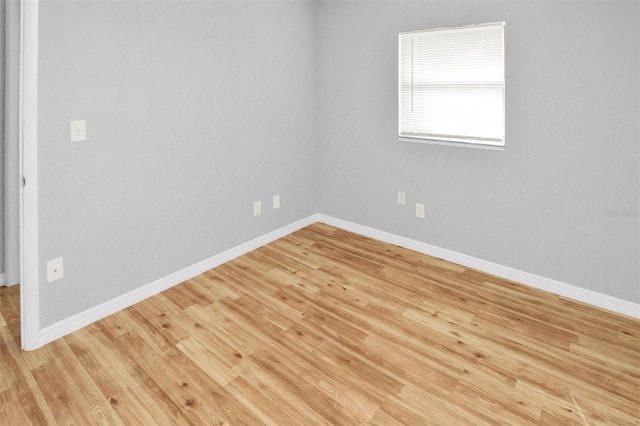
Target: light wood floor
x,y
328,327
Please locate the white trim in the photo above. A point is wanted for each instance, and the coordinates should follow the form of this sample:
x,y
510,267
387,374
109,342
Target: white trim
x,y
461,27
472,145
2,281
96,313
562,289
29,258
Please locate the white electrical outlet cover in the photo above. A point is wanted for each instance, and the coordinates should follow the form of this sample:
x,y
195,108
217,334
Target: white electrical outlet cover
x,y
55,270
78,131
276,201
257,208
420,210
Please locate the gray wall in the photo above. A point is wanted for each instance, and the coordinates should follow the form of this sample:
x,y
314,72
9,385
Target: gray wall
x,y
194,110
11,173
572,136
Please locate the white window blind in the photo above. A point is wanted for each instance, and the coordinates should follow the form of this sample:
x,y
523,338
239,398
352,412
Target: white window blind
x,y
451,84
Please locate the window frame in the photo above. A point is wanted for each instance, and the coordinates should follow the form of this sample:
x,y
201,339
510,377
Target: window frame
x,y
454,140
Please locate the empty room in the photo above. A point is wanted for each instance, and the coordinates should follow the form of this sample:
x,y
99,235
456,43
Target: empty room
x,y
320,212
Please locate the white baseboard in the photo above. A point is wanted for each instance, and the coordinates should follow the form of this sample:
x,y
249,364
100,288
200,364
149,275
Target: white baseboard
x,y
557,287
96,313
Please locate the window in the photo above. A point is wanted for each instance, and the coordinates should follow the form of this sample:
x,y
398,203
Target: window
x,y
451,84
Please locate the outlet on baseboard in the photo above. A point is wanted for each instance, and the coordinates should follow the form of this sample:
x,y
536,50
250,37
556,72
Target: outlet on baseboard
x,y
420,210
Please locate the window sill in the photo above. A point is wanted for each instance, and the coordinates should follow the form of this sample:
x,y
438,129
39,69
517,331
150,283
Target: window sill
x,y
472,145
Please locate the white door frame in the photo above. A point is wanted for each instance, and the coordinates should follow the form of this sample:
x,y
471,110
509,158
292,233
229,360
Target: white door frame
x,y
29,257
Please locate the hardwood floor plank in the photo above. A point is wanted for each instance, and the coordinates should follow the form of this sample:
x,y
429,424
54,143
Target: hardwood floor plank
x,y
104,414
220,336
65,407
216,285
135,407
210,364
265,382
262,403
138,379
6,375
612,363
327,327
26,393
354,402
219,406
445,409
177,386
10,415
105,379
560,372
315,398
404,414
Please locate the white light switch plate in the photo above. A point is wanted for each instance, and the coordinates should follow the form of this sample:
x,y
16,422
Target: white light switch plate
x,y
78,131
276,201
55,270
